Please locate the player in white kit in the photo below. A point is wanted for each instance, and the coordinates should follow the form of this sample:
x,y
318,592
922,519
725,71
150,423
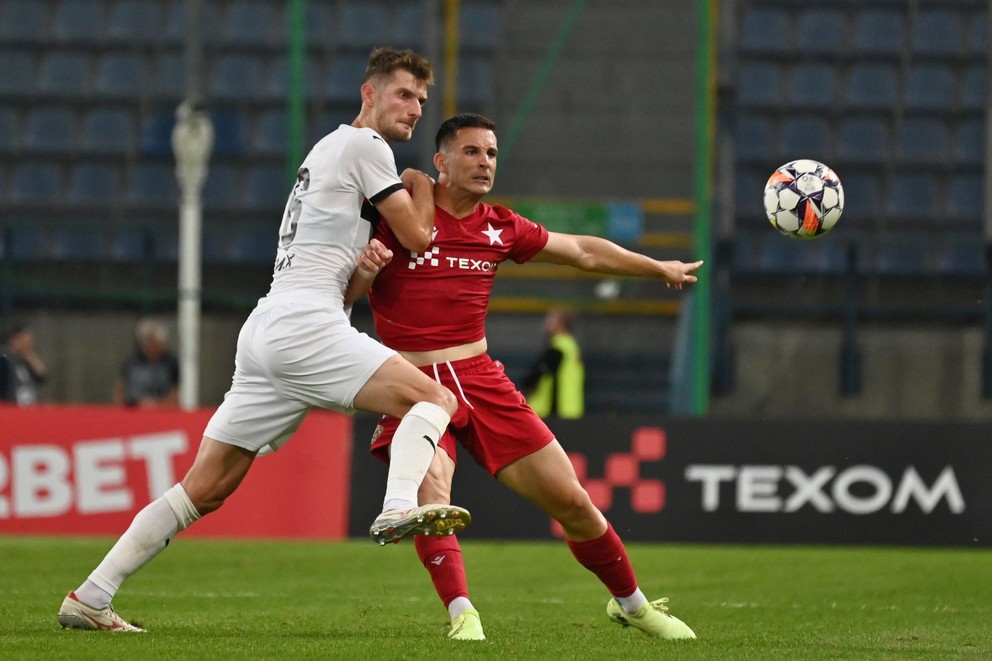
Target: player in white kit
x,y
298,348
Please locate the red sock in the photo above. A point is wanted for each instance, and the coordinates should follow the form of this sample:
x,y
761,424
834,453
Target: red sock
x,y
442,557
607,558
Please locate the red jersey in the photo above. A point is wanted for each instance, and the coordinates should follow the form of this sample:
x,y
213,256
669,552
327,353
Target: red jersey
x,y
439,298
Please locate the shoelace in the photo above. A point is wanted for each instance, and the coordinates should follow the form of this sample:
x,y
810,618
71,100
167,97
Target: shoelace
x,y
659,605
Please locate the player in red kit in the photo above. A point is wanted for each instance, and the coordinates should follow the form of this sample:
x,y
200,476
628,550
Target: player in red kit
x,y
431,305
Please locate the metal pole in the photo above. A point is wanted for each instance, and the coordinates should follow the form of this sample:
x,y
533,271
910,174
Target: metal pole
x,y
192,143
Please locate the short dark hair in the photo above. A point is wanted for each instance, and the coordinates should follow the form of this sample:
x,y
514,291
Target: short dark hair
x,y
384,61
451,125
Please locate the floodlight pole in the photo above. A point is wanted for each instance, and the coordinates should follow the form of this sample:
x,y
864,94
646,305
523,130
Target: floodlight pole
x,y
192,144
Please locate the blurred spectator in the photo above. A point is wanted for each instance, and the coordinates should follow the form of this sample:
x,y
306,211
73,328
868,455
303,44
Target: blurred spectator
x,y
556,382
150,376
21,369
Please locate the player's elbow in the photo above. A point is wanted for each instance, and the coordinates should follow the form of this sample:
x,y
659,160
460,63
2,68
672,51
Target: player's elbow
x,y
417,242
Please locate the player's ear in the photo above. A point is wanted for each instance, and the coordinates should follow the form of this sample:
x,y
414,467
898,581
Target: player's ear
x,y
368,94
440,162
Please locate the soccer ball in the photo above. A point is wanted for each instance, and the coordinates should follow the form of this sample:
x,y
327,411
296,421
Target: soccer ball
x,y
804,199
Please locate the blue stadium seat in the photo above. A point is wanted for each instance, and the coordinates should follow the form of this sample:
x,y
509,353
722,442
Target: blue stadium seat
x,y
812,86
23,21
254,23
862,198
94,184
236,77
965,201
254,245
978,33
120,75
912,198
408,28
19,76
754,138
107,130
223,187
938,32
805,136
79,21
10,129
229,132
175,21
766,31
30,243
155,138
748,192
760,85
65,73
904,254
266,188
931,87
974,87
165,243
79,244
344,78
152,186
170,76
363,25
785,256
863,140
879,31
129,244
277,81
321,20
271,134
476,81
36,184
969,143
50,129
129,18
748,247
922,141
479,25
822,31
961,254
872,86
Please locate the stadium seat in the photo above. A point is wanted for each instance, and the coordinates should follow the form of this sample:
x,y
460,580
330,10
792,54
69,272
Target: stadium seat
x,y
747,249
130,244
961,254
236,77
479,25
922,141
321,21
863,140
79,244
978,33
785,256
64,73
760,85
363,25
107,130
862,198
969,143
749,185
10,129
974,87
120,76
169,78
904,254
931,87
19,78
872,86
476,81
754,138
343,78
36,184
912,198
254,245
938,32
965,201
152,186
766,31
408,28
175,21
223,187
155,138
266,188
811,86
129,18
29,243
276,86
23,21
229,132
50,129
805,136
94,184
879,31
79,21
822,31
254,23
271,133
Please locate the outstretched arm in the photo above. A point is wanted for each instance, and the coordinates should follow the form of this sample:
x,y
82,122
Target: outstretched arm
x,y
374,256
591,253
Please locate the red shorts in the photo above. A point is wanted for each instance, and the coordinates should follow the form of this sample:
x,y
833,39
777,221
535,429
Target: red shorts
x,y
493,421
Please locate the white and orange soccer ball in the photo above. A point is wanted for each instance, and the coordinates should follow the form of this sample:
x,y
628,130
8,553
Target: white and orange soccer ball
x,y
804,199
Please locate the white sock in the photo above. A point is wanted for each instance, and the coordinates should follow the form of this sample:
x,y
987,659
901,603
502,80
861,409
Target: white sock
x,y
149,534
632,602
458,606
412,451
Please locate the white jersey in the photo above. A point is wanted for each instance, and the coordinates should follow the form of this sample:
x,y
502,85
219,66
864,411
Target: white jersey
x,y
329,216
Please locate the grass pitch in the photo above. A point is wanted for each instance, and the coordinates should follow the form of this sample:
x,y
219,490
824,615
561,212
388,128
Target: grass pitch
x,y
234,600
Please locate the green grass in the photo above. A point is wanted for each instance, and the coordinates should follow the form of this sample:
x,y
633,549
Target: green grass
x,y
234,600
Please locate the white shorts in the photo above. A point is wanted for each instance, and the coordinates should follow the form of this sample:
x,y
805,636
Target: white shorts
x,y
292,355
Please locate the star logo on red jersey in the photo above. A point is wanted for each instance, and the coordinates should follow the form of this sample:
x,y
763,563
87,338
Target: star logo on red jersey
x,y
493,235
